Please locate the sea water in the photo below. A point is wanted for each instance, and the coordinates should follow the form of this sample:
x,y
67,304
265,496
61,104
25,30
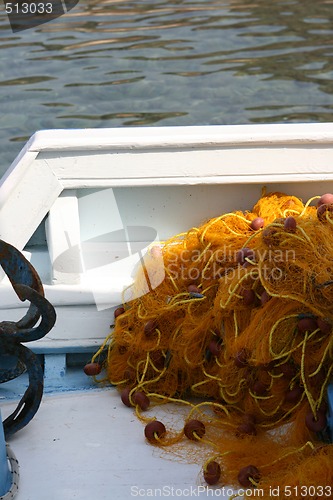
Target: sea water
x,y
115,63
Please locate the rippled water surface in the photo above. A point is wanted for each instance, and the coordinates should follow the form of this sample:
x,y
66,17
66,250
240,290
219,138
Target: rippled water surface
x,y
112,63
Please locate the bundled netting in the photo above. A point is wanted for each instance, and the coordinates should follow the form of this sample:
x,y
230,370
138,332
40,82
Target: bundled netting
x,y
241,319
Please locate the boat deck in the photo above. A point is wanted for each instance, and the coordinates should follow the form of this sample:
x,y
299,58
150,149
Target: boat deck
x,y
93,202
87,444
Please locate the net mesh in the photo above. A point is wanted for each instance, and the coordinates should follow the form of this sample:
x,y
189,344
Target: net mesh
x,y
242,320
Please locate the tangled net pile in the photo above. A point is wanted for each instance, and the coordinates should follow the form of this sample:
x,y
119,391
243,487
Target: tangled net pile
x,y
242,319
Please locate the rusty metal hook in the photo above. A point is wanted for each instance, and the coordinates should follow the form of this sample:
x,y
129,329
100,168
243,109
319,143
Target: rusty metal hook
x,y
19,270
27,286
13,331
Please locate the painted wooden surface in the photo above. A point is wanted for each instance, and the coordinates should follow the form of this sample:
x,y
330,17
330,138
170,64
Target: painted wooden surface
x,y
89,445
71,159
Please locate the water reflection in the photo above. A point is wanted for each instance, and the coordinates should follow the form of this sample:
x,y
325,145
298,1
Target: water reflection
x,y
181,62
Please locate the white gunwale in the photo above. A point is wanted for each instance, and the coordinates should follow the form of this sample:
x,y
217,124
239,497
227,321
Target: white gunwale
x,y
54,160
197,136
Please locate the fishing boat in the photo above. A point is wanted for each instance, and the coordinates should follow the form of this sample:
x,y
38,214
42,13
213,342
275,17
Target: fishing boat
x,y
83,207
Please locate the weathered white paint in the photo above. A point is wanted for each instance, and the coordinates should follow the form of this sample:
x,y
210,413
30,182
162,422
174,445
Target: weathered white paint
x,y
179,137
192,166
64,240
89,445
27,191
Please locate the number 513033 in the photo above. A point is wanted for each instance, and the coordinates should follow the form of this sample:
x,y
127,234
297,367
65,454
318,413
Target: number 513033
x,y
28,8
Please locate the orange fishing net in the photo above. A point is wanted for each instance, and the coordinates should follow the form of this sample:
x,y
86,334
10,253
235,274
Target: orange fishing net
x,y
242,320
